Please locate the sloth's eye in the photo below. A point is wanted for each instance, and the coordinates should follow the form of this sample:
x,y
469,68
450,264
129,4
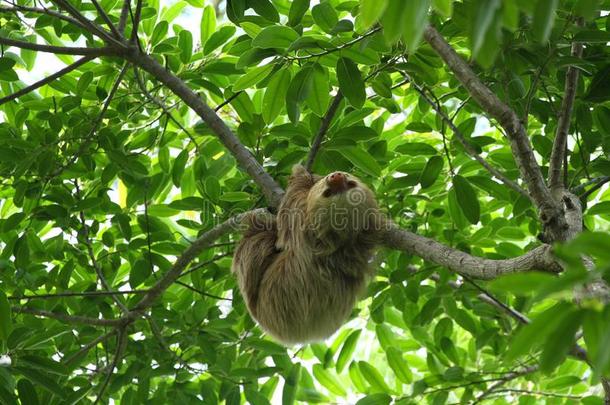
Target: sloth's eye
x,y
351,184
327,193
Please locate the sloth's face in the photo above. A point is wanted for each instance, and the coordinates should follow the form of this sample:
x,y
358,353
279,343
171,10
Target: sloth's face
x,y
340,201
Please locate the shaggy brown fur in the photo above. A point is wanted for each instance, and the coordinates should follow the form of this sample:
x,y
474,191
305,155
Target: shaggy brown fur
x,y
301,274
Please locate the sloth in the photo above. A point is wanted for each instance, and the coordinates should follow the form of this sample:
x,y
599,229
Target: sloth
x,y
301,272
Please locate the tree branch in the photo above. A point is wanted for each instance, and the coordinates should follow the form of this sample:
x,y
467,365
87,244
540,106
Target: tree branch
x,y
124,14
460,262
69,318
68,294
597,182
121,344
565,115
273,192
61,50
508,119
90,25
46,80
106,19
23,9
324,125
88,346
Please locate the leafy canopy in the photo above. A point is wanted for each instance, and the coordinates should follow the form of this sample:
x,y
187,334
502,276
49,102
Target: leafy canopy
x,y
108,175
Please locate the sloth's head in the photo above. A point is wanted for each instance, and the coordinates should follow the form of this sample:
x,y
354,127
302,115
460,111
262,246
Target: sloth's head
x,y
341,204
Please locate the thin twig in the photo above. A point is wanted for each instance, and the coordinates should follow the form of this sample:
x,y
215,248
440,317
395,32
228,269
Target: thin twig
x,y
88,346
77,319
597,182
60,50
46,80
338,48
124,14
565,116
162,106
550,210
52,13
324,125
467,147
121,344
90,25
106,19
68,294
94,262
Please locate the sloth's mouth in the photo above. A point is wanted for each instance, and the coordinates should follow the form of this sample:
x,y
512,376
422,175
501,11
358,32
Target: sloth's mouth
x,y
339,188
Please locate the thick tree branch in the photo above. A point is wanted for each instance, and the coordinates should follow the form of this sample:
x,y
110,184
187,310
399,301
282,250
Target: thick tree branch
x,y
455,260
565,116
46,80
324,125
61,50
273,192
508,119
69,318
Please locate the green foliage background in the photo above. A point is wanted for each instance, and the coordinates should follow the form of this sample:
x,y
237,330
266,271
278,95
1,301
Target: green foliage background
x,y
126,188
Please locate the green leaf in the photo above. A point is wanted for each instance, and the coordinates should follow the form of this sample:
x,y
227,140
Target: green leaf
x,y
6,321
275,36
544,18
319,97
414,23
362,160
208,25
398,364
392,20
298,91
444,7
556,349
41,380
327,380
298,8
140,271
358,133
371,11
291,384
159,32
27,392
467,199
431,171
325,16
485,28
178,168
235,196
185,43
375,399
347,350
373,377
252,77
350,82
218,38
265,9
275,95
535,333
521,283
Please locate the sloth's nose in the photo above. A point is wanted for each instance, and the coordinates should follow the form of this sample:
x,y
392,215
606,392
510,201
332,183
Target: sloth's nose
x,y
337,181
